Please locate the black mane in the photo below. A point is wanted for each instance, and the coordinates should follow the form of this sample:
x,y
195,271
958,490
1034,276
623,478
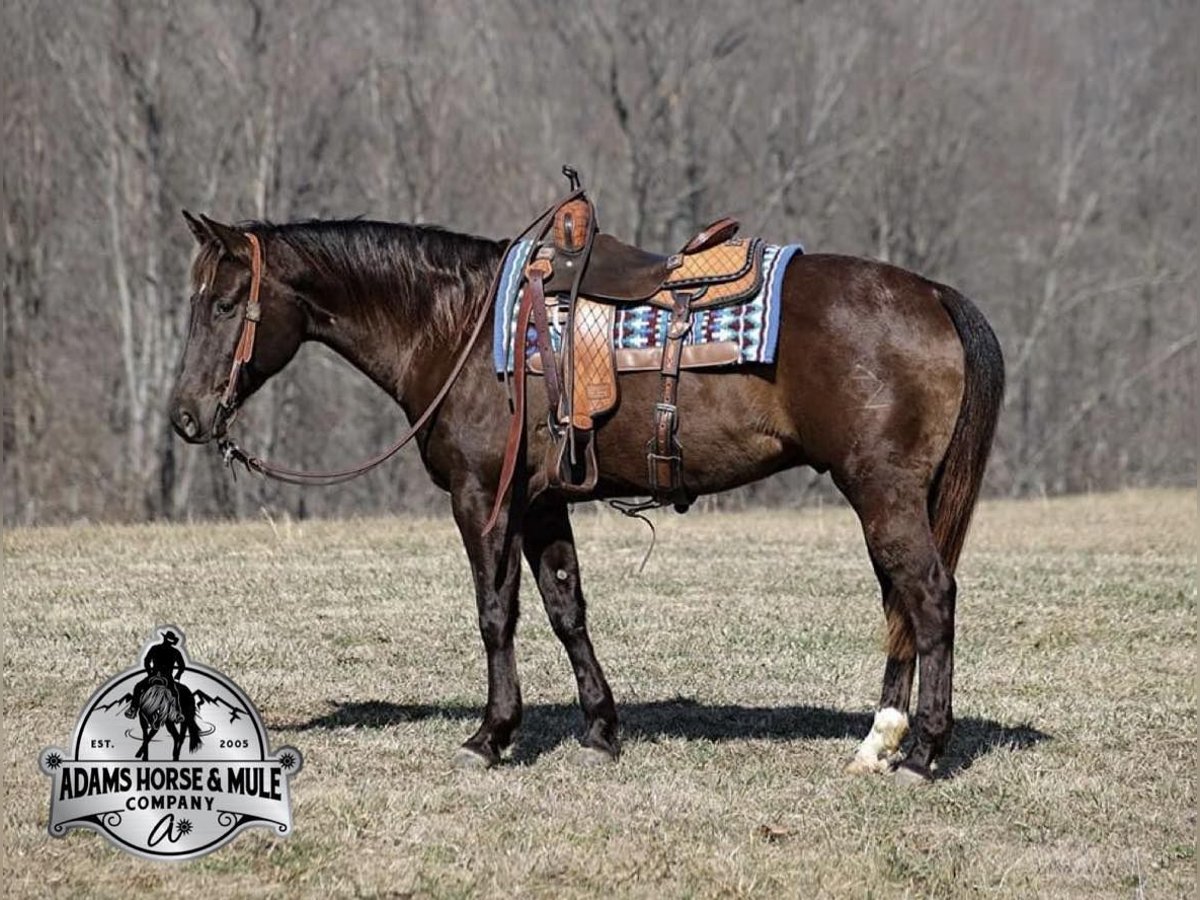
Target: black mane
x,y
424,273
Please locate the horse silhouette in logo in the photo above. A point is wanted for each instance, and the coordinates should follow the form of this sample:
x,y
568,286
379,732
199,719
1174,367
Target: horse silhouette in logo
x,y
160,700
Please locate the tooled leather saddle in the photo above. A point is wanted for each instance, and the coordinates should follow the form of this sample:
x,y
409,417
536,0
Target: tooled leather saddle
x,y
580,277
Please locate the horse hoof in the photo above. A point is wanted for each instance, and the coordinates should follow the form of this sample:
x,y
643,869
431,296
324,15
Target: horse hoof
x,y
908,775
865,765
590,757
466,758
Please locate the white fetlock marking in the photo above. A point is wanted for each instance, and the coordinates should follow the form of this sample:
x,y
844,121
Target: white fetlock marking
x,y
865,765
888,730
892,725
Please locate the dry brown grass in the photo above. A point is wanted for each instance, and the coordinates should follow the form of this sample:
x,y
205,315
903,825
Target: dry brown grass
x,y
745,659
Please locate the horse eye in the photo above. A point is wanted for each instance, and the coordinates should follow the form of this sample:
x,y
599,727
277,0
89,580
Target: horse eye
x,y
226,306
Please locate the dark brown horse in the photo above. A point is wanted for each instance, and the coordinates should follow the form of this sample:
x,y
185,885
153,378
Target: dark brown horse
x,y
889,382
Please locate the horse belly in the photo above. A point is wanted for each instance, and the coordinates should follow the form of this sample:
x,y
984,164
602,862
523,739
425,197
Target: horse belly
x,y
733,430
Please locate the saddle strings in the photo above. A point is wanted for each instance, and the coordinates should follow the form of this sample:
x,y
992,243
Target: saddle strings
x,y
637,509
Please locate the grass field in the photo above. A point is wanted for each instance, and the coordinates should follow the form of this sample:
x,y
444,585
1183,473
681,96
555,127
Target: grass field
x,y
746,661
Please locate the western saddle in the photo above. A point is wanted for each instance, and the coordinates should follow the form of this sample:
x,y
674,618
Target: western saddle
x,y
581,277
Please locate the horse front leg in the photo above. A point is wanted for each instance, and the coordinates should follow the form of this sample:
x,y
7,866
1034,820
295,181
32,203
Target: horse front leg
x,y
496,567
550,550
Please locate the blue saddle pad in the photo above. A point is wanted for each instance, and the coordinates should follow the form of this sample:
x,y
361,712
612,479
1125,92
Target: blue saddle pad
x,y
753,324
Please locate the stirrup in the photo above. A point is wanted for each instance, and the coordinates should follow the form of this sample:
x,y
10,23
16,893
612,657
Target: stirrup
x,y
573,471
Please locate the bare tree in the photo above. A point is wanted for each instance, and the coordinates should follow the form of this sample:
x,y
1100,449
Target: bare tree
x,y
1038,157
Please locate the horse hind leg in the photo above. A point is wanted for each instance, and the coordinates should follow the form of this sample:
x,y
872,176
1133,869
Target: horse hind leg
x,y
192,729
919,602
880,749
176,738
148,734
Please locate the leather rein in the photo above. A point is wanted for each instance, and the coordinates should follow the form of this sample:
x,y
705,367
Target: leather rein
x,y
232,453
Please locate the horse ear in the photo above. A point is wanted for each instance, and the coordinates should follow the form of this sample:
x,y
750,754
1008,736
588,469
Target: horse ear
x,y
199,231
233,240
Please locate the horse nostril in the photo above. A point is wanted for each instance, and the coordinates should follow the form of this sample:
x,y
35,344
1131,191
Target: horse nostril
x,y
190,428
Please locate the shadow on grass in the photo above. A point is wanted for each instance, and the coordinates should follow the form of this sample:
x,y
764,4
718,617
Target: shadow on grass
x,y
546,725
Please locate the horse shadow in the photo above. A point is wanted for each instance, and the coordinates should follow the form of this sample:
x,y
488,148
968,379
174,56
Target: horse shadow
x,y
547,725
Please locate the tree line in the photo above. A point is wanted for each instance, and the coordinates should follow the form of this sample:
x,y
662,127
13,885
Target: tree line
x,y
1038,157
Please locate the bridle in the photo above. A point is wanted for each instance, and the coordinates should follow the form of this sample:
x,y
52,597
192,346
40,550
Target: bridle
x,y
232,453
245,345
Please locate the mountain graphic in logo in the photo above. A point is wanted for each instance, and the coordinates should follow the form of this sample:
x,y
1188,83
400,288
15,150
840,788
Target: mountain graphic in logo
x,y
169,760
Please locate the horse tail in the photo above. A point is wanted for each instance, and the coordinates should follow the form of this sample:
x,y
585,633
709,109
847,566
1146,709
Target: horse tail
x,y
955,488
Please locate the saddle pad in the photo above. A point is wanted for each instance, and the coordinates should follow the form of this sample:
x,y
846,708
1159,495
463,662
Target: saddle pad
x,y
752,325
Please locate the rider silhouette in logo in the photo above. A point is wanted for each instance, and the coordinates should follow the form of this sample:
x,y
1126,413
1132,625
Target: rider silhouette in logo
x,y
164,663
160,700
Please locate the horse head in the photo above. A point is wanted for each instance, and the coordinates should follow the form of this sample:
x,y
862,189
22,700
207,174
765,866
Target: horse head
x,y
208,387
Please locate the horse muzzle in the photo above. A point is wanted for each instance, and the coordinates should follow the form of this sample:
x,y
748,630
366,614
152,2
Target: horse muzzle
x,y
190,423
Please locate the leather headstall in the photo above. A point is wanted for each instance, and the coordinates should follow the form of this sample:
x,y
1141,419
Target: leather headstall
x,y
245,344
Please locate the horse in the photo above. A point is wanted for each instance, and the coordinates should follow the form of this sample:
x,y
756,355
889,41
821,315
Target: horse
x,y
161,704
889,382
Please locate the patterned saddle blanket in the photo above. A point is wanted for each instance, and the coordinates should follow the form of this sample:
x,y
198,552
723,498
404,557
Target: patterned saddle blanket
x,y
743,333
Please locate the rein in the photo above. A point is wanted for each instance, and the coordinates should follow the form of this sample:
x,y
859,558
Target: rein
x,y
231,453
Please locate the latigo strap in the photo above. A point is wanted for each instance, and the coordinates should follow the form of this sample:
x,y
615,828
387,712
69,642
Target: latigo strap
x,y
664,456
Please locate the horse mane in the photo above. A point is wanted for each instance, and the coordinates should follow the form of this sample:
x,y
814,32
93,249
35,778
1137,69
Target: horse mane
x,y
431,278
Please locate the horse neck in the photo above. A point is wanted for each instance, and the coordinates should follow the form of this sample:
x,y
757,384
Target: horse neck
x,y
402,324
381,347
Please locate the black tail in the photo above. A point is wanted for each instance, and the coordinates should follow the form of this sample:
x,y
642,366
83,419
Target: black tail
x,y
956,488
